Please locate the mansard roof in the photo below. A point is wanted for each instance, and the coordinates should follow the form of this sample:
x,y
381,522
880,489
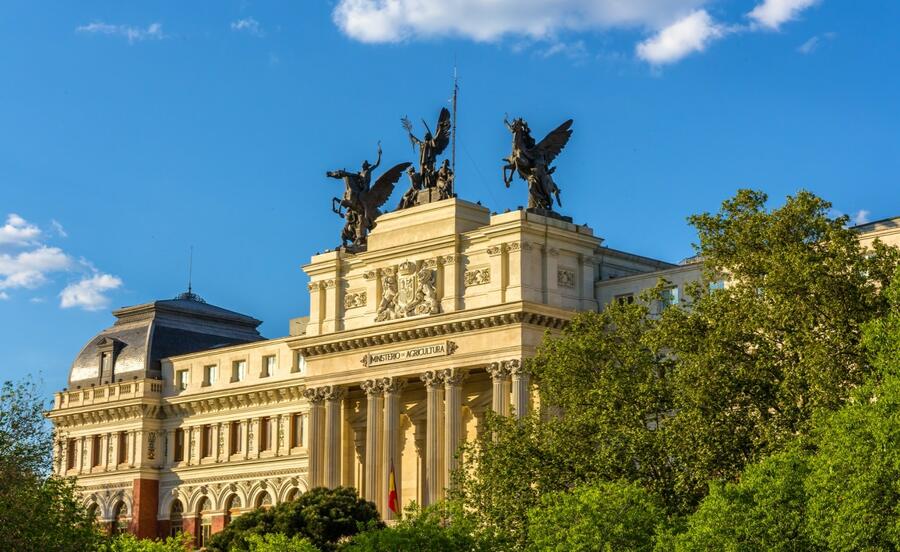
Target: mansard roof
x,y
144,334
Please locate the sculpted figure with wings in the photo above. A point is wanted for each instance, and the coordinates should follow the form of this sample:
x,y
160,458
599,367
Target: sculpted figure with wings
x,y
532,161
362,201
430,147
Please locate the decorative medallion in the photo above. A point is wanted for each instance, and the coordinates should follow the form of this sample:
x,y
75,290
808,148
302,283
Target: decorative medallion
x,y
565,277
411,292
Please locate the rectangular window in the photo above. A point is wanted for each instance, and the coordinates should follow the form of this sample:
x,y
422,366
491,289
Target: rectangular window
x,y
265,434
104,364
718,284
179,445
95,451
123,447
297,430
70,454
669,298
238,370
206,441
181,379
268,366
300,364
625,299
210,374
236,437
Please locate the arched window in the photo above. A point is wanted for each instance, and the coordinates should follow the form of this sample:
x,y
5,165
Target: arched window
x,y
120,518
232,508
204,510
94,510
292,494
176,524
264,501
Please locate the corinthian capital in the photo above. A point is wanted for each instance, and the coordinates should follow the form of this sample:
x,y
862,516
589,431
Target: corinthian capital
x,y
332,392
392,385
372,387
452,376
498,370
313,395
432,378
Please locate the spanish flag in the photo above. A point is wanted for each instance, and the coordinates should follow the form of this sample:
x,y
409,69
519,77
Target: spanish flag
x,y
392,492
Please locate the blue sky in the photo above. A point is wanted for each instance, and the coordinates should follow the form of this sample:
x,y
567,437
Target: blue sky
x,y
130,131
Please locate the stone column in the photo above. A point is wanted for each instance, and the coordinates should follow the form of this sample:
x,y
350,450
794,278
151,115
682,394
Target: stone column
x,y
434,395
452,420
521,396
189,449
333,399
500,390
391,449
245,439
315,447
216,437
132,448
374,401
81,456
170,448
104,457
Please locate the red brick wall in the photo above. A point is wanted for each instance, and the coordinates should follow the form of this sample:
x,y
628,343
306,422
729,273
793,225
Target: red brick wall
x,y
146,504
191,526
218,523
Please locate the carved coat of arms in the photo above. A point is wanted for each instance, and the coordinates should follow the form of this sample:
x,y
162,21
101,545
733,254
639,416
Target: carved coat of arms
x,y
411,292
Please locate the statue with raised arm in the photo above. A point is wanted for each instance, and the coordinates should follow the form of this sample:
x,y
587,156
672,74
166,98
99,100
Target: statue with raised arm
x,y
430,147
531,161
362,200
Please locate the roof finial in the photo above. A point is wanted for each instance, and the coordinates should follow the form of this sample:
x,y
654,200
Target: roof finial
x,y
189,295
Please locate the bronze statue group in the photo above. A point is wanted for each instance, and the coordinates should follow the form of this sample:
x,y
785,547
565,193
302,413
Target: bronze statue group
x,y
362,200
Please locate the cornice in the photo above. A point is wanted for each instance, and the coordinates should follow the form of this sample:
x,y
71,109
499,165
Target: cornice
x,y
435,326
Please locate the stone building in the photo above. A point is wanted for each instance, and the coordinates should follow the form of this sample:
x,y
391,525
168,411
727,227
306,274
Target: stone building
x,y
181,416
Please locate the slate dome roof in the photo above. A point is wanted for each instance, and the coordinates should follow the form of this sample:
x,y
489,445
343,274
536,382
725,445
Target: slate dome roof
x,y
145,334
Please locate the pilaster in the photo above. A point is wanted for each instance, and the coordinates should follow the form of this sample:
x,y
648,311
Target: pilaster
x,y
434,470
333,397
374,403
452,421
316,437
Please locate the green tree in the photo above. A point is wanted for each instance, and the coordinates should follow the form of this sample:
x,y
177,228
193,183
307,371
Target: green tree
x,y
441,527
756,360
881,336
603,374
765,510
854,482
37,511
323,516
604,516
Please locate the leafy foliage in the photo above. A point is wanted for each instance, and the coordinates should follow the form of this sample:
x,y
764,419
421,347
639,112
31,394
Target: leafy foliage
x,y
440,527
37,511
323,516
279,542
608,516
765,510
127,542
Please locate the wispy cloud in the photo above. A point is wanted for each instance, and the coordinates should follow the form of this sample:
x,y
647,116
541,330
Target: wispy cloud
x,y
89,292
133,34
27,262
58,228
17,231
813,43
248,25
690,34
861,217
772,14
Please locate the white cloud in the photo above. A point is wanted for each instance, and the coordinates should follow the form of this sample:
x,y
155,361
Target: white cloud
x,y
689,34
133,34
813,43
18,231
29,269
248,25
88,293
3,296
861,217
397,20
771,14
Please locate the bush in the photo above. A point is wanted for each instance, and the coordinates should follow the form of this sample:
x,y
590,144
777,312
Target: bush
x,y
440,528
279,542
127,542
323,516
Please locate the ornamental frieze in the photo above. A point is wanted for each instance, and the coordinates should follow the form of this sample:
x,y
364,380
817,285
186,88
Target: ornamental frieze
x,y
355,299
477,276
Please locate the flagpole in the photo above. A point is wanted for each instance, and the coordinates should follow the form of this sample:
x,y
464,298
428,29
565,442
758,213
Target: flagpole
x,y
453,136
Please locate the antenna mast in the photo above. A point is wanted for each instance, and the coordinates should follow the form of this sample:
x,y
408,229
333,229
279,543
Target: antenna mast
x,y
190,270
453,135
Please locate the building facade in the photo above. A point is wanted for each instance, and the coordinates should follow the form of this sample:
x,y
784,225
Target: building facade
x,y
181,416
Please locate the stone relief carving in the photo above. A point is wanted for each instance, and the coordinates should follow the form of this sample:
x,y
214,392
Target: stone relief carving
x,y
477,276
565,277
411,292
355,299
151,445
